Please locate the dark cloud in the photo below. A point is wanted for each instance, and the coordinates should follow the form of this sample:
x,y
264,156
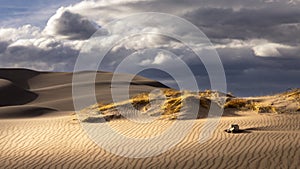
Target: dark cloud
x,y
248,75
3,46
275,24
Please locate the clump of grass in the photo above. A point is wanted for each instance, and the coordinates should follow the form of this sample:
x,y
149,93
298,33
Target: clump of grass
x,y
253,106
236,103
171,93
172,106
206,93
293,94
243,104
140,101
137,102
169,109
267,109
106,107
260,108
204,102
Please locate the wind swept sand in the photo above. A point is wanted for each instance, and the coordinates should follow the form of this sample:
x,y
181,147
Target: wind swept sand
x,y
40,130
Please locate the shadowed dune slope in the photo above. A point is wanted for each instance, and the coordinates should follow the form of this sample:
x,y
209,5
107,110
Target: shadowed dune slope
x,y
18,77
11,94
52,91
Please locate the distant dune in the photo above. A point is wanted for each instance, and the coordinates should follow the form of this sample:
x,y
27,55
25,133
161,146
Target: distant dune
x,y
39,128
52,92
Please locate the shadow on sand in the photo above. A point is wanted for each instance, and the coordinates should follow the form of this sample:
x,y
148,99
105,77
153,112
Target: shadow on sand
x,y
250,130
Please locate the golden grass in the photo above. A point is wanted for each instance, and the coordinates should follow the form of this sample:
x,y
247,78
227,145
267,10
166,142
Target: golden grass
x,y
267,109
243,104
138,102
171,106
174,103
236,103
171,93
292,95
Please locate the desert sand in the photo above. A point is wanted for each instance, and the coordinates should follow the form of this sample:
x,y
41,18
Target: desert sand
x,y
39,129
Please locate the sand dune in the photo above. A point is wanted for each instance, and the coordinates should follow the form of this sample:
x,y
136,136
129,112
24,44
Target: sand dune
x,y
11,94
40,130
53,91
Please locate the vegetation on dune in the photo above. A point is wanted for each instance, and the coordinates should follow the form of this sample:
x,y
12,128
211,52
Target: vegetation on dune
x,y
138,101
172,106
244,104
267,109
173,103
294,93
237,103
172,93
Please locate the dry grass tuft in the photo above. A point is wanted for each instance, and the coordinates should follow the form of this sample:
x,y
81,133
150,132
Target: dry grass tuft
x,y
171,93
172,105
292,95
236,103
267,109
138,102
243,104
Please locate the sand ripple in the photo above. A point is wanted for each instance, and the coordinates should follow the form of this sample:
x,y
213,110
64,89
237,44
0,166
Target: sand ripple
x,y
269,141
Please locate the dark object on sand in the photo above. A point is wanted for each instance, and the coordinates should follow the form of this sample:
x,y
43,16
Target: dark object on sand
x,y
234,128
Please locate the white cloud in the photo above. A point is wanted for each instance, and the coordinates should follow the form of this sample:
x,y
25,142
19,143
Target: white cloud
x,y
266,50
103,11
145,62
23,32
68,25
28,47
263,48
161,58
260,47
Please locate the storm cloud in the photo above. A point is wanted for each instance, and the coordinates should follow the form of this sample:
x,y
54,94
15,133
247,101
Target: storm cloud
x,y
277,25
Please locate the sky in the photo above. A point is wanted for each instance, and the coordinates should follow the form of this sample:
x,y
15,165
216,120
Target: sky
x,y
258,41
